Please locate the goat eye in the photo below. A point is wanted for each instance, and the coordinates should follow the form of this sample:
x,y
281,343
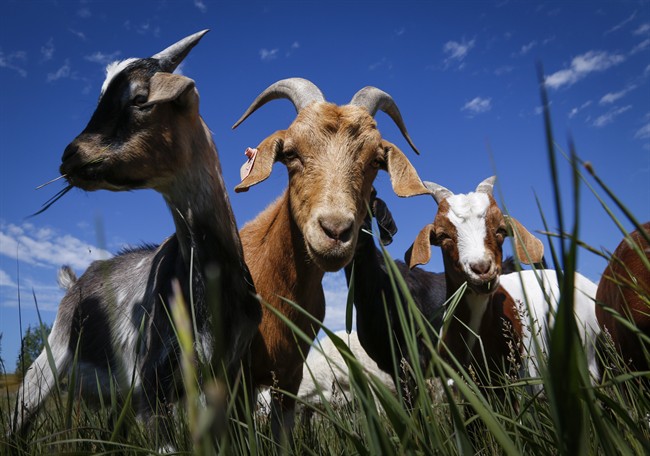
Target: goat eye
x,y
290,154
139,100
442,237
501,234
376,163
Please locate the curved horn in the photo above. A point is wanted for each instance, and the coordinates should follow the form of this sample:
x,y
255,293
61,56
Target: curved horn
x,y
299,91
171,57
374,99
438,192
487,186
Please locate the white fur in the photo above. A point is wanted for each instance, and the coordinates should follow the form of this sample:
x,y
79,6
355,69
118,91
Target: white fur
x,y
467,213
112,70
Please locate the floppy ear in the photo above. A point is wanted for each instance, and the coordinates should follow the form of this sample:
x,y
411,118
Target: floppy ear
x,y
420,251
165,87
385,221
528,248
267,153
403,177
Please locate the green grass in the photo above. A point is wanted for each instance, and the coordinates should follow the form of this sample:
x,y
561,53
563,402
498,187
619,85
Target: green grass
x,y
573,417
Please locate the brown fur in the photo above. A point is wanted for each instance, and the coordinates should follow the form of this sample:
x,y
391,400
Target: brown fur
x,y
332,154
625,288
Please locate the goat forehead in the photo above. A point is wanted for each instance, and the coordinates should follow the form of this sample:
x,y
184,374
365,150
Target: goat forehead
x,y
112,70
468,214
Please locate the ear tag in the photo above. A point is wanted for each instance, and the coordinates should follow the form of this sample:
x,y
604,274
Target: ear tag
x,y
248,166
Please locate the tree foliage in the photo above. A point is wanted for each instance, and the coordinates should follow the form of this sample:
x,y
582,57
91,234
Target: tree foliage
x,y
31,346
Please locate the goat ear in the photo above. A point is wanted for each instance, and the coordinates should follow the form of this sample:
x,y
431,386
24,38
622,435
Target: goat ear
x,y
403,177
267,153
420,251
164,87
528,248
385,221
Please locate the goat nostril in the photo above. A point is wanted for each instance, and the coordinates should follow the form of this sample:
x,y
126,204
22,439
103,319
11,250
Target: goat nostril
x,y
336,228
69,152
480,267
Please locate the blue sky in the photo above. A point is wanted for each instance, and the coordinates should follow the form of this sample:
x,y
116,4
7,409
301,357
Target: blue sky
x,y
463,74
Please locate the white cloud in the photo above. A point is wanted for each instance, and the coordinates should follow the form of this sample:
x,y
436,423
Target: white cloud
x,y
268,55
47,51
78,34
583,65
478,105
384,62
294,47
609,117
62,73
456,52
45,247
47,295
5,280
10,62
336,295
643,132
576,110
200,4
621,24
643,29
615,96
526,48
101,58
642,46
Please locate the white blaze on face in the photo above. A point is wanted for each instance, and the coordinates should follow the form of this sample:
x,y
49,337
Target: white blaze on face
x,y
112,70
467,213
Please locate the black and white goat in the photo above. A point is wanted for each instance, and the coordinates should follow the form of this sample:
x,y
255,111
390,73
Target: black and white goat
x,y
147,132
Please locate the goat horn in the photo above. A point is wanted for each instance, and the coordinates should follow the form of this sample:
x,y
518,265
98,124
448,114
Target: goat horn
x,y
374,99
299,91
171,57
487,186
438,192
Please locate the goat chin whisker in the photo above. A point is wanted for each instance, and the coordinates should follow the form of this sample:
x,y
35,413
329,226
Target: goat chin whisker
x,y
62,176
52,200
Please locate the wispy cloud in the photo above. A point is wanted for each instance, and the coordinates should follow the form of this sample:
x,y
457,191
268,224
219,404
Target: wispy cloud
x,y
643,29
643,132
47,295
11,62
78,34
582,66
477,106
47,51
62,73
642,46
612,97
266,55
525,49
574,112
5,280
145,28
200,5
45,247
101,58
383,62
457,52
294,47
609,117
622,24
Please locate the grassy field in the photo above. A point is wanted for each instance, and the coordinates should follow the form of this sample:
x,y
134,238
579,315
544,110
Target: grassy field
x,y
572,416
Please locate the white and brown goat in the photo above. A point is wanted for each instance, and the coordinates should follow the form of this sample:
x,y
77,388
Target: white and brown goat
x,y
500,317
333,154
147,132
623,292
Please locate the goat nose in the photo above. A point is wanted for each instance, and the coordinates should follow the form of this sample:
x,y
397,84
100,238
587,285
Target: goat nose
x,y
337,228
480,267
69,151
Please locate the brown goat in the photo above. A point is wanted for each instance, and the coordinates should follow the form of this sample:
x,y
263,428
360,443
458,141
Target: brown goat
x,y
332,154
625,288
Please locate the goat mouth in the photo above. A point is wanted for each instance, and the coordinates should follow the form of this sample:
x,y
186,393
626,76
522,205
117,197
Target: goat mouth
x,y
332,259
480,286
